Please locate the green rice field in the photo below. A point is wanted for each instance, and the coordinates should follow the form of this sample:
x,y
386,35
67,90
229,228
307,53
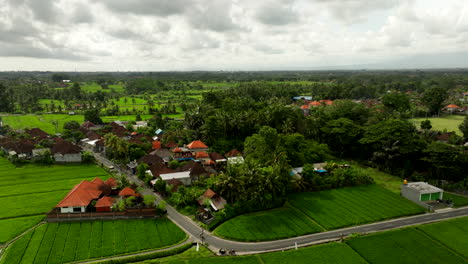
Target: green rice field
x,y
442,242
73,241
313,212
408,245
458,200
30,191
450,123
268,225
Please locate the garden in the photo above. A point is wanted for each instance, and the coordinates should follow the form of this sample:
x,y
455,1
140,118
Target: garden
x,y
75,241
30,191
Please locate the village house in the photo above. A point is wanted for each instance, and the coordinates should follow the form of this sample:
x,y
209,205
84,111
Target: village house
x,y
421,192
65,151
197,146
81,196
183,176
234,157
212,199
21,148
182,154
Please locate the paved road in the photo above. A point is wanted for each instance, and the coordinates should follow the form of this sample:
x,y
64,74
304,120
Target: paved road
x,y
215,243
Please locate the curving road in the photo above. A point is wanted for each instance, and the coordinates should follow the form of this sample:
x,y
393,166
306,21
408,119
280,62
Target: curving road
x,y
215,243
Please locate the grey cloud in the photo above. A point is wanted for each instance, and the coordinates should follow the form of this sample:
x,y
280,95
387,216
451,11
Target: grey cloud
x,y
82,14
267,49
148,7
43,10
24,50
353,11
213,15
276,14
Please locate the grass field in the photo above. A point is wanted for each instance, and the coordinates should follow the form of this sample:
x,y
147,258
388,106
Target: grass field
x,y
353,205
268,225
443,242
45,122
452,233
458,200
389,182
408,245
313,212
73,241
33,190
450,122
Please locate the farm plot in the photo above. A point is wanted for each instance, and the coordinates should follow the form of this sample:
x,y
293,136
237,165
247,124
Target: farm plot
x,y
268,225
33,190
451,233
353,205
328,253
67,242
43,122
403,246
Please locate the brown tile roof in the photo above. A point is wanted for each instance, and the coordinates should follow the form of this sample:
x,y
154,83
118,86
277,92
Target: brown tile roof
x,y
195,168
118,130
170,144
87,125
127,191
105,201
20,146
37,133
65,147
197,144
141,139
233,153
92,135
216,156
159,168
150,159
209,194
81,195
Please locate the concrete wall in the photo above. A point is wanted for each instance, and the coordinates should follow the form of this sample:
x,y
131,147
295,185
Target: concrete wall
x,y
67,157
70,209
413,195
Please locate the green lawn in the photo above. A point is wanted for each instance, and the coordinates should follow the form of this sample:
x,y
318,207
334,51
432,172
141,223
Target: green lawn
x,y
404,246
458,200
450,122
33,190
452,233
73,241
353,206
44,122
388,181
268,225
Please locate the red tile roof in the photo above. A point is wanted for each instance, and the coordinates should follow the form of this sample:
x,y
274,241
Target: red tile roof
x,y
201,155
105,201
127,191
98,181
216,156
304,107
326,101
197,144
156,144
81,195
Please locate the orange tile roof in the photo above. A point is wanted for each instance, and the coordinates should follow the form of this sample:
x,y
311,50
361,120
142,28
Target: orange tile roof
x,y
315,103
98,181
176,150
304,107
233,153
81,195
202,155
452,106
127,191
156,144
209,194
105,201
197,144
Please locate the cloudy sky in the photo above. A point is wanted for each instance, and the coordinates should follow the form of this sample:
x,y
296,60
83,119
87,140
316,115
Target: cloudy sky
x,y
164,35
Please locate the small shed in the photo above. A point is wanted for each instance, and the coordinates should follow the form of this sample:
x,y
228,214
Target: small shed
x,y
421,192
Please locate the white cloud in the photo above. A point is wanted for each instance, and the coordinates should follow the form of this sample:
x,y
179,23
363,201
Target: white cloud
x,y
225,34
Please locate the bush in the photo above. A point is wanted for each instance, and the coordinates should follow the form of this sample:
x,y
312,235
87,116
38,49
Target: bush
x,y
87,157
